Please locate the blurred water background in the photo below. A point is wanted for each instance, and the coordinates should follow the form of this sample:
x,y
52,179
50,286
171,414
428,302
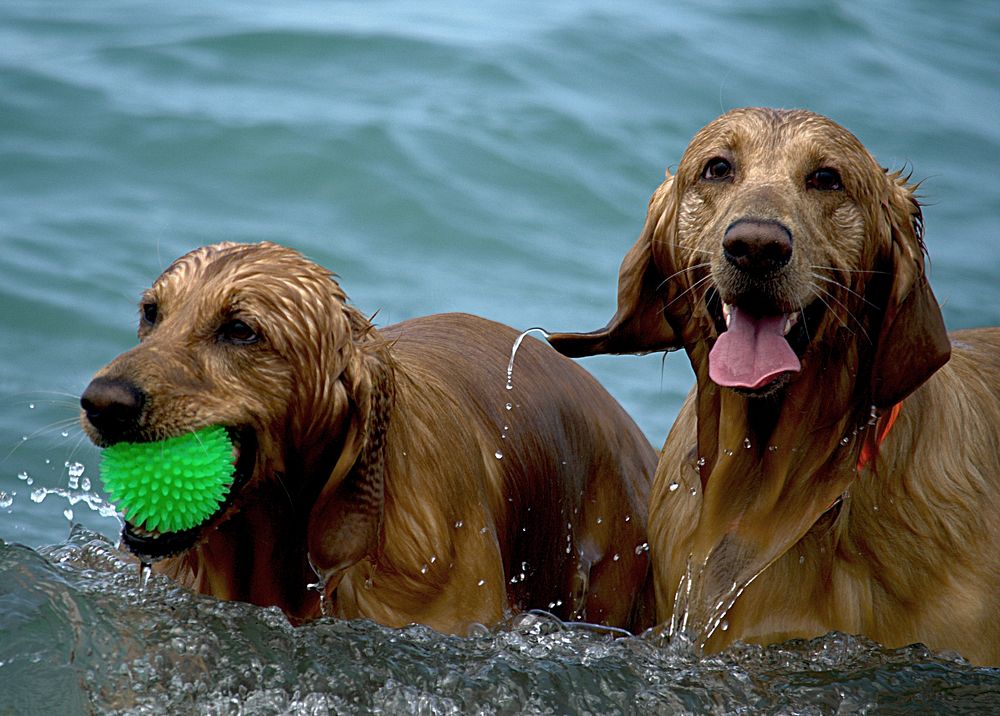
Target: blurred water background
x,y
486,157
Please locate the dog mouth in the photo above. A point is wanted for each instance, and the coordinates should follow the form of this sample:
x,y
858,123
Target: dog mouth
x,y
758,349
153,545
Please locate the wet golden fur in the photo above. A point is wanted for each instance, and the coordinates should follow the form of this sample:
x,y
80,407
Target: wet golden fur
x,y
376,452
758,501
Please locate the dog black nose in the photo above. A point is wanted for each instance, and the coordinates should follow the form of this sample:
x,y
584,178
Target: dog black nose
x,y
757,246
113,407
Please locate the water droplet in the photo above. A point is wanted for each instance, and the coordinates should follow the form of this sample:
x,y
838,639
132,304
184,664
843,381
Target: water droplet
x,y
845,440
875,507
628,518
369,582
729,453
724,625
423,569
644,547
22,475
458,524
145,569
85,484
483,530
616,557
694,491
31,406
6,500
508,406
802,559
600,520
75,468
64,433
701,462
434,558
673,486
68,514
746,443
38,495
772,448
498,454
481,582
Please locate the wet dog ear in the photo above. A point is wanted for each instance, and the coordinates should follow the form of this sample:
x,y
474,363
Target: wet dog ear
x,y
346,519
912,341
639,325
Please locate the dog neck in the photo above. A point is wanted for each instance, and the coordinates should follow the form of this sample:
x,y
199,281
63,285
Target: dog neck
x,y
769,469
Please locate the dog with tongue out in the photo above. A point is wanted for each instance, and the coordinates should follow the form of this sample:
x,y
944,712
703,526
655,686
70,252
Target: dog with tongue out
x,y
789,266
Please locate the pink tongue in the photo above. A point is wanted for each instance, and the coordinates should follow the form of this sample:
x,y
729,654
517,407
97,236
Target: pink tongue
x,y
752,352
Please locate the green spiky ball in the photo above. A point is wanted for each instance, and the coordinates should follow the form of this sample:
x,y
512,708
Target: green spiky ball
x,y
173,484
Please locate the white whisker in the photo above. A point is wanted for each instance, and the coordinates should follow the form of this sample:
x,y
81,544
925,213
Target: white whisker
x,y
820,292
839,284
689,289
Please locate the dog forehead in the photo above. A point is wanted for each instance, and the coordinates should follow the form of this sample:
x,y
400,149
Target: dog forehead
x,y
755,134
232,269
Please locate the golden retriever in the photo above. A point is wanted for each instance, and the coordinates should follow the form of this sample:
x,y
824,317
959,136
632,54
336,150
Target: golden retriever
x,y
389,468
787,503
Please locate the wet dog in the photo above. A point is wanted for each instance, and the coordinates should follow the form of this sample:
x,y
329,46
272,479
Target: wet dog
x,y
832,470
389,468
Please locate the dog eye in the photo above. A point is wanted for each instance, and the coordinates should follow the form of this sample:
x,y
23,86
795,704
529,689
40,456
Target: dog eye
x,y
150,312
825,179
716,169
238,333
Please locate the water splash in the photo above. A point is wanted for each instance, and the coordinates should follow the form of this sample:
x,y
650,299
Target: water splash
x,y
509,406
94,502
319,586
513,353
680,620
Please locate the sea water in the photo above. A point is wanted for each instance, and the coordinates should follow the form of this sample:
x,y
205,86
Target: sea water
x,y
439,157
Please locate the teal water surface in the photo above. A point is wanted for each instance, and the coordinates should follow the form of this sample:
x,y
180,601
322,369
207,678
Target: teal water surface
x,y
438,157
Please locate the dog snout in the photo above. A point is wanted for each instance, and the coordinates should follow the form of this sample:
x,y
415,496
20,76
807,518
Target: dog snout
x,y
757,247
113,407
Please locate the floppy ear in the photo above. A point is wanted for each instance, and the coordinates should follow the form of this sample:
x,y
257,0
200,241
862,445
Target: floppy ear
x,y
346,520
912,342
639,324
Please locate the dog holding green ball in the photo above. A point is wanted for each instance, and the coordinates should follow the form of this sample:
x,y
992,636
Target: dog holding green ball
x,y
265,442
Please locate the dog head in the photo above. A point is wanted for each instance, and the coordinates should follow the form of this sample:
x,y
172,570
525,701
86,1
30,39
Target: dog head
x,y
261,341
778,236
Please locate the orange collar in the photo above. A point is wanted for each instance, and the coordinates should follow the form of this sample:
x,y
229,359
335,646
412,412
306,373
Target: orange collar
x,y
870,449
